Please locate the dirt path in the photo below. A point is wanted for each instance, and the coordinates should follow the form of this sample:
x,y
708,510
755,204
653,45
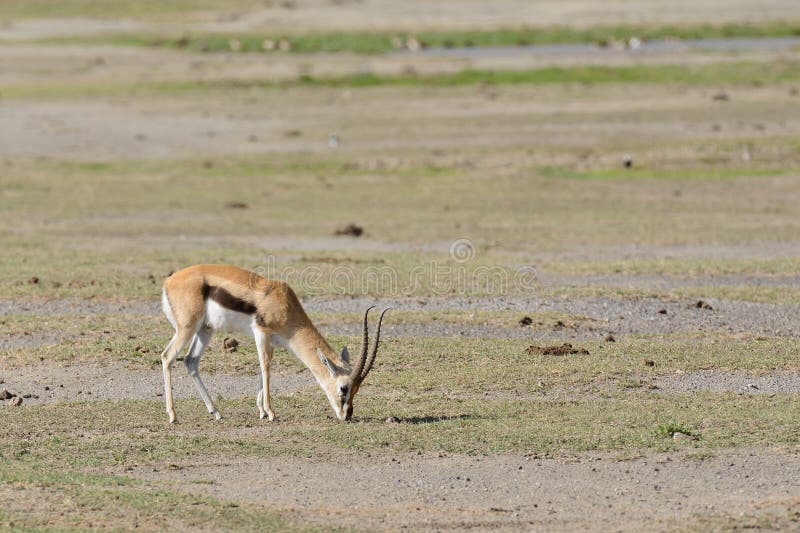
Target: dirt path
x,y
620,316
415,15
49,383
53,383
594,492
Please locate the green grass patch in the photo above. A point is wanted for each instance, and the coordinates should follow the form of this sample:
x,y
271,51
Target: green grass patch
x,y
115,230
735,73
372,42
426,364
671,428
684,267
143,9
710,172
742,72
67,500
90,434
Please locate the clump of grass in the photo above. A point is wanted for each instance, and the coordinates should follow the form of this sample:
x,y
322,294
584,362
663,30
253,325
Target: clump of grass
x,y
671,428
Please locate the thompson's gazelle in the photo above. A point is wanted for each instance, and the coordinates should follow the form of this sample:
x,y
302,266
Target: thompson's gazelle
x,y
202,299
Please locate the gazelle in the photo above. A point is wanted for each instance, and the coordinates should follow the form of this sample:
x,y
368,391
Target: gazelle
x,y
202,299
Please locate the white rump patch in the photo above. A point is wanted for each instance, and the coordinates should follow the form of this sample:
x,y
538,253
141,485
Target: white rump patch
x,y
225,320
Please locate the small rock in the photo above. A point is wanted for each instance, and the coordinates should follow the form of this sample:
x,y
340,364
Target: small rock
x,y
392,420
721,97
627,161
610,338
662,311
564,349
413,44
525,321
16,401
5,395
353,230
229,344
703,305
34,280
679,435
333,141
649,362
236,205
284,45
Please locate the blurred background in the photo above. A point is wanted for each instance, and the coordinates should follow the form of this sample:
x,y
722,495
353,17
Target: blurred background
x,y
580,138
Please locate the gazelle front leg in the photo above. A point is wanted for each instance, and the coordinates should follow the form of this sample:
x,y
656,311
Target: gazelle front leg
x,y
265,351
174,347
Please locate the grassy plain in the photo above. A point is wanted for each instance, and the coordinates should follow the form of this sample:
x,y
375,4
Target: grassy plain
x,y
525,163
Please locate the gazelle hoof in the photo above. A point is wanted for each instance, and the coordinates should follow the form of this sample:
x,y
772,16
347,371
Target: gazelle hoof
x,y
217,415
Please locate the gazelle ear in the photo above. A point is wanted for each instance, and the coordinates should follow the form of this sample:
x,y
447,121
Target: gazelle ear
x,y
326,363
345,356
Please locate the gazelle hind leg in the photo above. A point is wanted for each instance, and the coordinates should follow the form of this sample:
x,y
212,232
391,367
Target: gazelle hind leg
x,y
192,362
174,347
265,351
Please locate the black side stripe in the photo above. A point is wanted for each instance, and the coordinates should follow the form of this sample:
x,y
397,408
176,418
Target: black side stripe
x,y
228,300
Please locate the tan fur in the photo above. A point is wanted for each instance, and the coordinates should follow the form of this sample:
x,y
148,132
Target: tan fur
x,y
280,313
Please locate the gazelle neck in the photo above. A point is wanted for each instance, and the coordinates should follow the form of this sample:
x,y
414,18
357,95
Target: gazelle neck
x,y
304,341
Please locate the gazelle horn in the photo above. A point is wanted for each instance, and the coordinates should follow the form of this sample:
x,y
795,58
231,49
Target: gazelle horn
x,y
374,350
362,358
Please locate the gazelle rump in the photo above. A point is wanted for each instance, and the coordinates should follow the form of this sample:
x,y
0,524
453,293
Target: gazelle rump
x,y
202,299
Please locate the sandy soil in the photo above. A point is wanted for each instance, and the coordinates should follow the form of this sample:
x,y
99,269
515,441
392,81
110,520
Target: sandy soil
x,y
322,15
390,119
590,492
601,315
86,382
49,382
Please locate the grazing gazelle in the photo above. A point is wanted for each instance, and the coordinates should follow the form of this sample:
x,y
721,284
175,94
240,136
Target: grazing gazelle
x,y
202,299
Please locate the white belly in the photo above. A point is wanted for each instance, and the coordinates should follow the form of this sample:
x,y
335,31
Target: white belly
x,y
225,320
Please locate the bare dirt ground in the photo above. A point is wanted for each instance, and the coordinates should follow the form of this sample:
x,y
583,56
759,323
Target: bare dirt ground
x,y
320,15
48,383
88,382
588,492
600,315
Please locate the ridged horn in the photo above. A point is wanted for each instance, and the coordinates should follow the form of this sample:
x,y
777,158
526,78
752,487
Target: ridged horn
x,y
374,350
362,358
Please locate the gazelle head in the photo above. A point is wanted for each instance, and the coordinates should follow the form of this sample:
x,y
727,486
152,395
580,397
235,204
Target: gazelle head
x,y
343,385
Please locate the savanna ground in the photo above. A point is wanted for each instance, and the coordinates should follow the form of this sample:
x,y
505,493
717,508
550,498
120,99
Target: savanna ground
x,y
140,137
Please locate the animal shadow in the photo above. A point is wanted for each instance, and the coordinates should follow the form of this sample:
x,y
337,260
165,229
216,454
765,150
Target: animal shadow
x,y
423,419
